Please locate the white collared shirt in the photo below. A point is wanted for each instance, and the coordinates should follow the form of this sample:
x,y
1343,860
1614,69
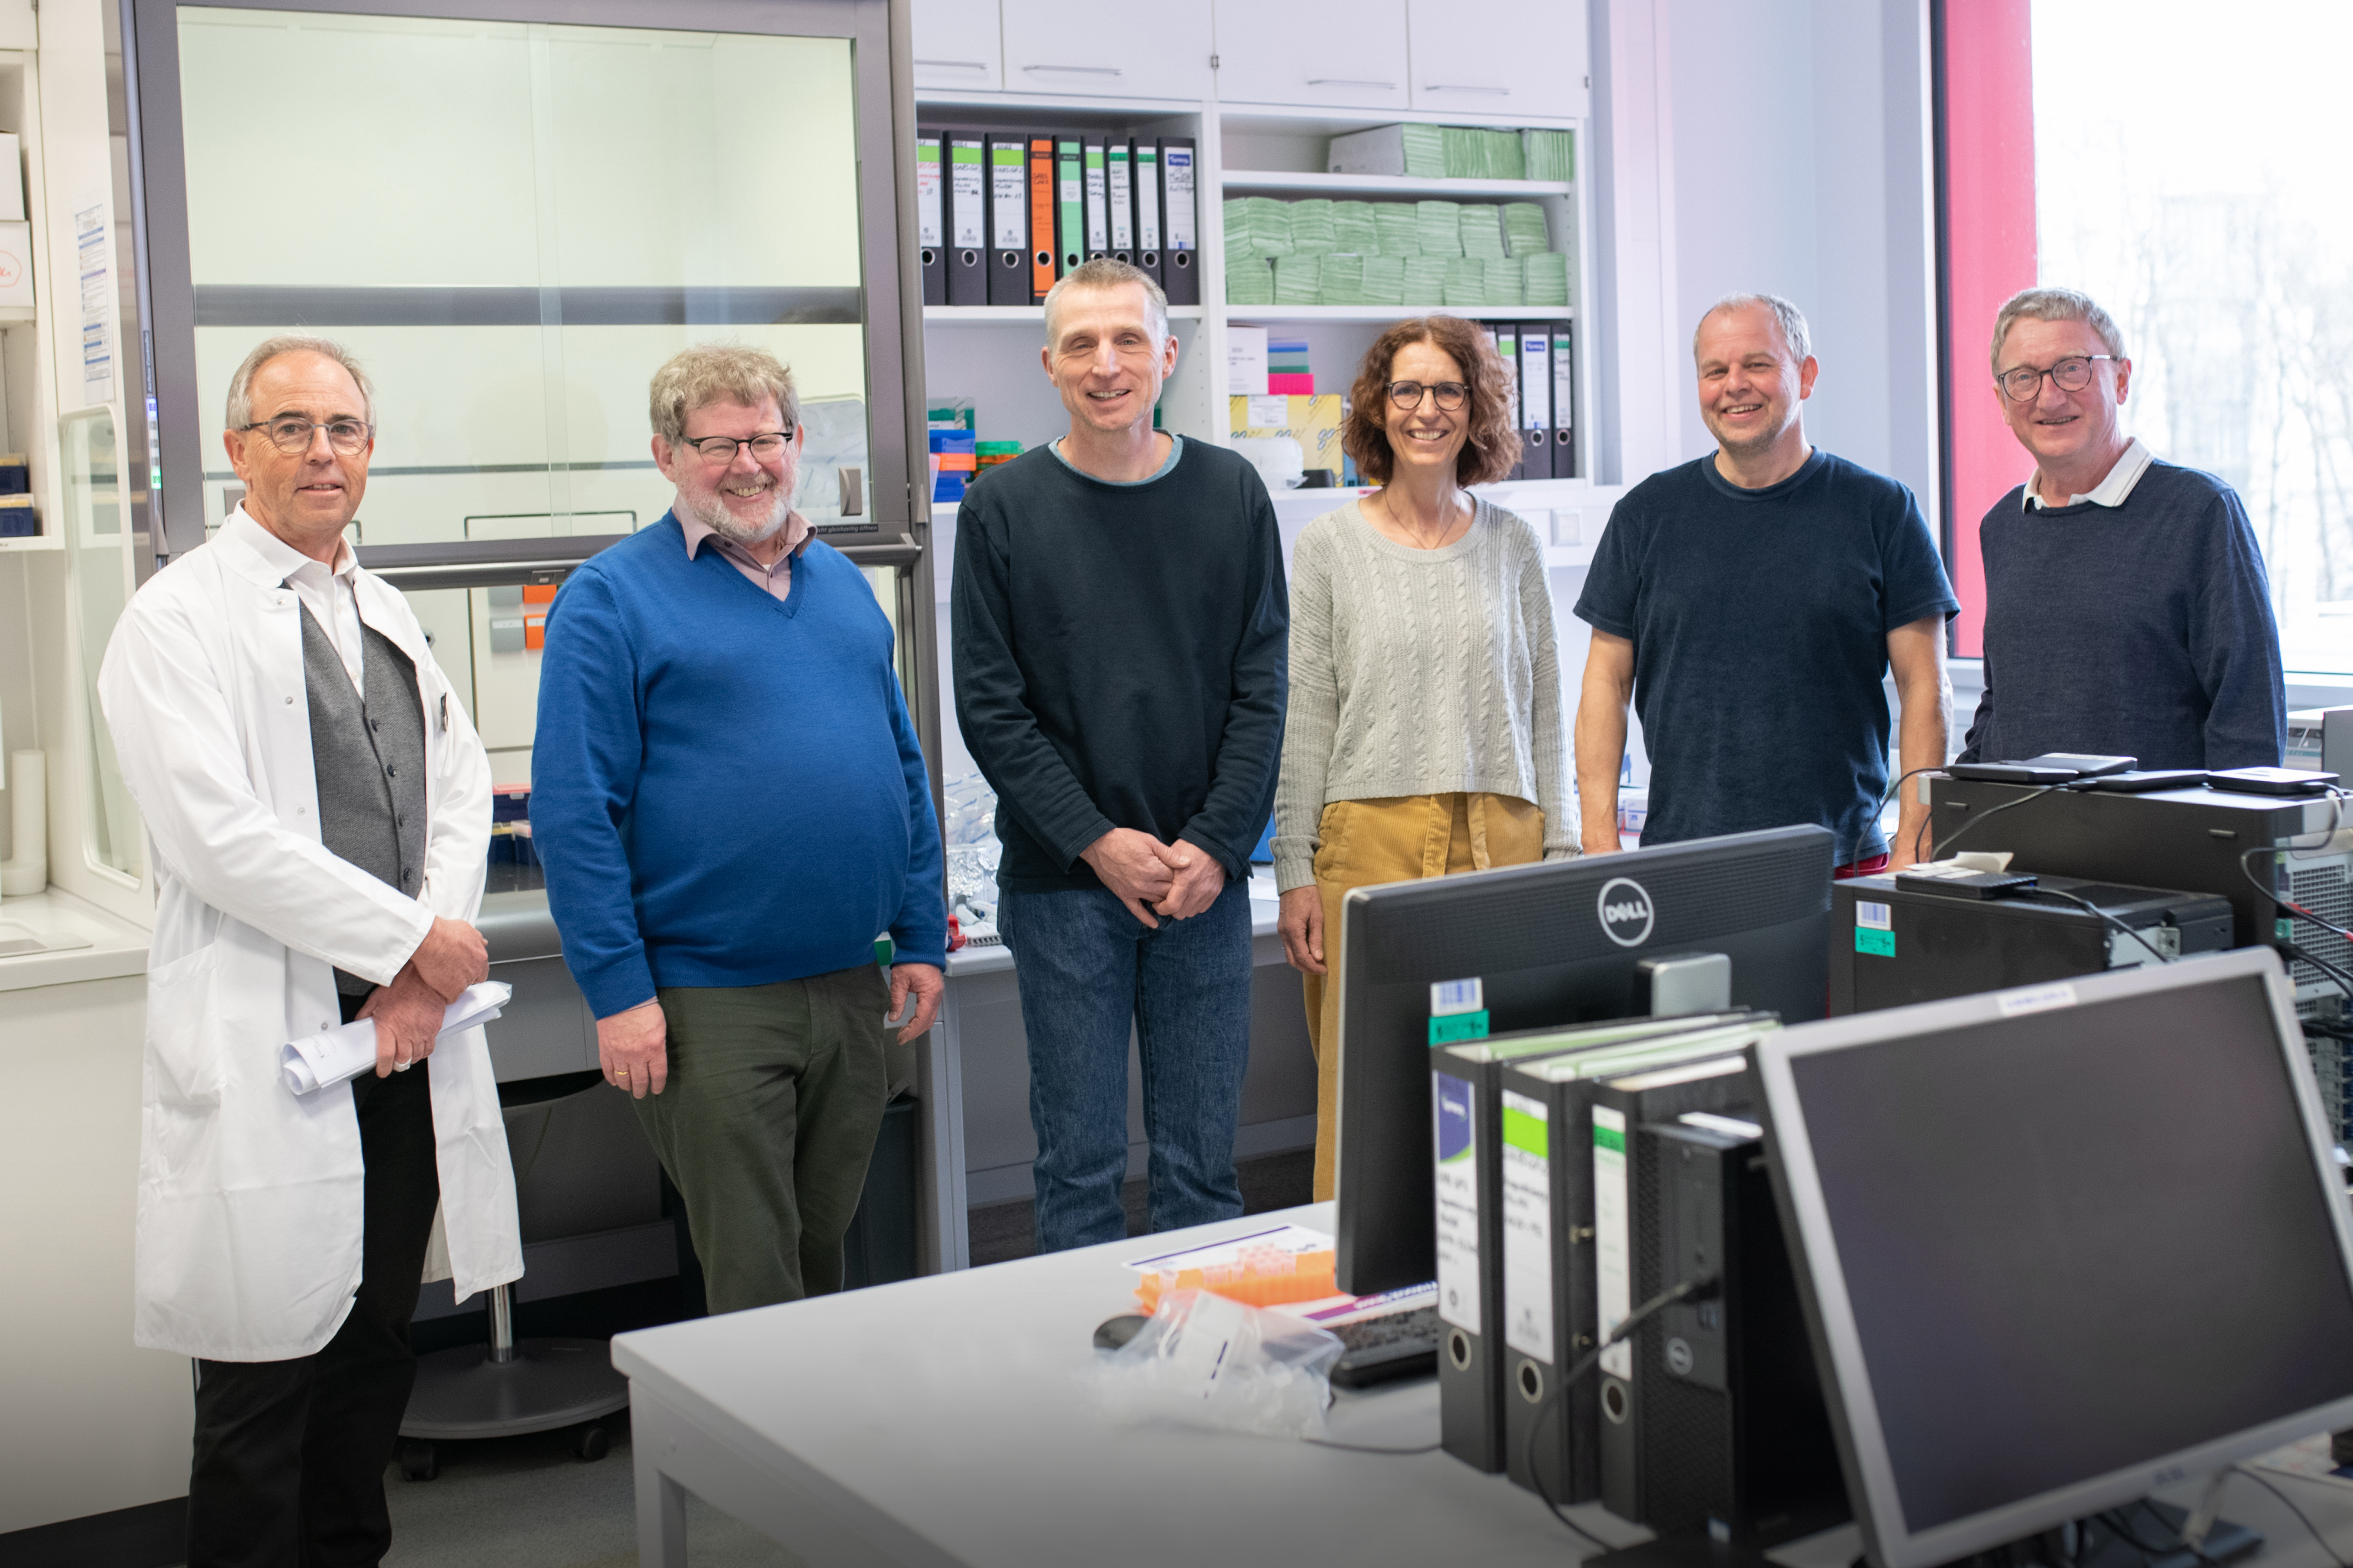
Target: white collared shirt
x,y
2110,491
325,591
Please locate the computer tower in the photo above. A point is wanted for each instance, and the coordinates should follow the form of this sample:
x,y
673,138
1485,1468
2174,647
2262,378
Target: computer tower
x,y
1554,1434
1725,1422
2320,739
2201,840
1895,941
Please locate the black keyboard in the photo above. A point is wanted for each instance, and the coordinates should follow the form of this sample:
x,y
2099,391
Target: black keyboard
x,y
1402,1344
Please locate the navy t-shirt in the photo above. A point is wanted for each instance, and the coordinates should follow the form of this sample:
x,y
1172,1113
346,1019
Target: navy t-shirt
x,y
1759,620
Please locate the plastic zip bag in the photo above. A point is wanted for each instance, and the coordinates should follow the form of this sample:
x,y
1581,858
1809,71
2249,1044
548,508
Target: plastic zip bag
x,y
1206,1360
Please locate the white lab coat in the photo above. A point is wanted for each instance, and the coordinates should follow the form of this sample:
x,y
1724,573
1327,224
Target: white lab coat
x,y
250,1211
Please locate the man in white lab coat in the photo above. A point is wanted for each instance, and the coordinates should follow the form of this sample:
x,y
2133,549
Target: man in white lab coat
x,y
317,810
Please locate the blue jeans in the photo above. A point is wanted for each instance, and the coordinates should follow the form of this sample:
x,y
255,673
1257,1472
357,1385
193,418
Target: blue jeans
x,y
1086,968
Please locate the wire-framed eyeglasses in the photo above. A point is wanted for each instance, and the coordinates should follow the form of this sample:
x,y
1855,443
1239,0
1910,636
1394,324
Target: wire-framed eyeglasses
x,y
2023,384
291,433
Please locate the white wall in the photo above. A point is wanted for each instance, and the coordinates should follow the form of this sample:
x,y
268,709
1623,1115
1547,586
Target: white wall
x,y
1780,149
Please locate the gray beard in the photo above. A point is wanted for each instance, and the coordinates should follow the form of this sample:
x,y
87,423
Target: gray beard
x,y
714,515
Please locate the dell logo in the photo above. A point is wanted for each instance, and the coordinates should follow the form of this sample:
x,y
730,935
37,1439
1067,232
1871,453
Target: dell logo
x,y
1626,913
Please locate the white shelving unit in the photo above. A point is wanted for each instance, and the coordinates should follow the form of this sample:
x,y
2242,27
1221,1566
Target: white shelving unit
x,y
1259,182
966,315
1276,149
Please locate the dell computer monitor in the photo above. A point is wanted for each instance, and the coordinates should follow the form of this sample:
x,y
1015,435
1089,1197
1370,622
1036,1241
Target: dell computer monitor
x,y
1550,945
2062,1246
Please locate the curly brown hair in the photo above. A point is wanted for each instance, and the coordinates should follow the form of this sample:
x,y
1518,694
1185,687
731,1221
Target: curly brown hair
x,y
1494,444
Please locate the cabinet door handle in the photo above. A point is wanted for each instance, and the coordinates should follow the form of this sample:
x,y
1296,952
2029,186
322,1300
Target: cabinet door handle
x,y
1077,70
1442,87
955,65
1349,81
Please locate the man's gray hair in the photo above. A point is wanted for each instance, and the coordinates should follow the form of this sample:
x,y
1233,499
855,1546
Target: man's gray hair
x,y
2055,305
239,411
1103,272
719,373
1793,322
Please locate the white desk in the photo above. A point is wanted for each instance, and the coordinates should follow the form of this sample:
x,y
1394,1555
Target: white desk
x,y
952,1420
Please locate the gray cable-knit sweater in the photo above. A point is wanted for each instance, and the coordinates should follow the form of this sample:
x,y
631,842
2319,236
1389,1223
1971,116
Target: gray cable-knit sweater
x,y
1419,672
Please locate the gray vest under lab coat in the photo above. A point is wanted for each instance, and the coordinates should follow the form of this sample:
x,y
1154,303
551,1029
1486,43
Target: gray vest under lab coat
x,y
369,755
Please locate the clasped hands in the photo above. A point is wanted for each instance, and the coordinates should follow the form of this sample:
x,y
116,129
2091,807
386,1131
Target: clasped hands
x,y
410,1011
1178,880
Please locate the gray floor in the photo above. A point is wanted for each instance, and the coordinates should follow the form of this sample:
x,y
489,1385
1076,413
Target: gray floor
x,y
525,1502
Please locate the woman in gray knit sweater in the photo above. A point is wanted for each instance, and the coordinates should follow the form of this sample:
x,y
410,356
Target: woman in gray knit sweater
x,y
1425,733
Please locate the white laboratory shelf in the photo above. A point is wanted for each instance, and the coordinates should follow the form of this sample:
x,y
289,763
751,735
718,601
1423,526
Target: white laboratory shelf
x,y
968,314
1389,185
1253,315
14,544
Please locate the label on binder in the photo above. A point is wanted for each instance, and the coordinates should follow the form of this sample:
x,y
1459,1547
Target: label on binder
x,y
930,227
966,204
1613,1258
1455,1139
1527,1225
1008,177
1178,170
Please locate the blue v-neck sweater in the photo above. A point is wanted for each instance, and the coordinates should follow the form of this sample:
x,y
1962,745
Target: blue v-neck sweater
x,y
725,788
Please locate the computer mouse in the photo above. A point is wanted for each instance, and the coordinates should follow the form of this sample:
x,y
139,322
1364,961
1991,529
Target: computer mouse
x,y
1113,1332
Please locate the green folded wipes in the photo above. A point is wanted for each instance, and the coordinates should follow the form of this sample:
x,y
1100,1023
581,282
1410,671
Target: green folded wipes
x,y
1344,281
1438,228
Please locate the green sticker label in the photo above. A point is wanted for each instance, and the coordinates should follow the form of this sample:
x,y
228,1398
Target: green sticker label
x,y
1881,942
1608,1138
1524,1133
1456,1027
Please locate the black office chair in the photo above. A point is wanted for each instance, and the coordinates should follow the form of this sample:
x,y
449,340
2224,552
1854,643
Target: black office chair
x,y
508,1385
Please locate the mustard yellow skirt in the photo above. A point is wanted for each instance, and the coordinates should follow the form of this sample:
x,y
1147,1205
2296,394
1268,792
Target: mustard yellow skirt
x,y
1400,839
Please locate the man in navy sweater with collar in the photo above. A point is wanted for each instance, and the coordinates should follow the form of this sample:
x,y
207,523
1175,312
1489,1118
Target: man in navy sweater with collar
x,y
2127,613
731,804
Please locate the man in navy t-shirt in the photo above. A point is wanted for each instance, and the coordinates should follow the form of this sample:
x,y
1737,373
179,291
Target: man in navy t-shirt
x,y
1749,605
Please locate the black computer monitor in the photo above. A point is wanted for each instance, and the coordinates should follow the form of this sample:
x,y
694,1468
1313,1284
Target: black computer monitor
x,y
1550,945
2063,1246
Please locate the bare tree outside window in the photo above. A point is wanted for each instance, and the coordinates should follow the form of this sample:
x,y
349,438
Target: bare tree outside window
x,y
2187,178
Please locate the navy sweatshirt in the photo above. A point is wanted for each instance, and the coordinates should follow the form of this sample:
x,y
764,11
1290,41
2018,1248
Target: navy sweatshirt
x,y
2143,630
1120,653
725,788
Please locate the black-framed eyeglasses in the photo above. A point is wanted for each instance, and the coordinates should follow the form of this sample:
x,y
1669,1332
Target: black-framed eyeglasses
x,y
2023,384
291,433
1407,394
721,448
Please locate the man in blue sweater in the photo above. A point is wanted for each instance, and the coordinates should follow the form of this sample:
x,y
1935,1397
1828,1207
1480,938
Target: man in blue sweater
x,y
731,804
2127,613
1121,633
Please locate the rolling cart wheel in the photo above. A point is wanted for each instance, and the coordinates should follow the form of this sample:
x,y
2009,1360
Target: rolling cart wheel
x,y
418,1460
591,1443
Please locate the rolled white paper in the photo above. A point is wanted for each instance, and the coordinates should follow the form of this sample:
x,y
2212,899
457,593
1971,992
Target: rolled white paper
x,y
338,1056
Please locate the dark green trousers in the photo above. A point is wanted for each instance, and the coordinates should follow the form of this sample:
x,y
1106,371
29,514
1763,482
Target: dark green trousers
x,y
767,1125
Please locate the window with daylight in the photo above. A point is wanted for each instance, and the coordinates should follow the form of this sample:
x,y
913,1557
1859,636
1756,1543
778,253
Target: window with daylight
x,y
2175,161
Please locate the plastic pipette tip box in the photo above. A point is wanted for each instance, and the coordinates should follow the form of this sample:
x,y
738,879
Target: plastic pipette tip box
x,y
1257,1277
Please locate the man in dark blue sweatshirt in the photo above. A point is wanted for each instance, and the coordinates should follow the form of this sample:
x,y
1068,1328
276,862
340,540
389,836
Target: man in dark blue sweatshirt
x,y
2127,613
730,804
1120,628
